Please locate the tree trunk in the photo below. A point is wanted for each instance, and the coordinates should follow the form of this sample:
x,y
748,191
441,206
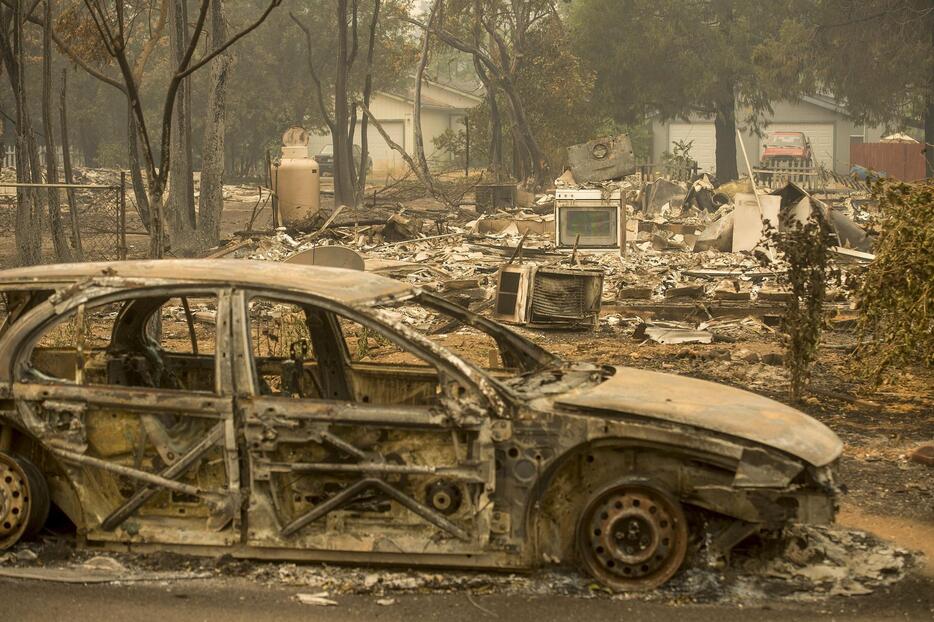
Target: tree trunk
x,y
343,149
527,136
367,91
66,167
496,135
181,204
56,227
211,201
725,129
136,171
28,233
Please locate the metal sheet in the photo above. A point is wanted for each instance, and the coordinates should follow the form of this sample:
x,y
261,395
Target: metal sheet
x,y
601,159
329,256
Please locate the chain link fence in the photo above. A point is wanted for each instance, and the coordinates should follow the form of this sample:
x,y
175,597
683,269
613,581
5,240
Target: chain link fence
x,y
94,220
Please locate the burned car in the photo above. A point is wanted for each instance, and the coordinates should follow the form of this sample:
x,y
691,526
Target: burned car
x,y
230,406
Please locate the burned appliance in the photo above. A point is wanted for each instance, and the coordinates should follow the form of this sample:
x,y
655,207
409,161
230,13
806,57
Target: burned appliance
x,y
548,296
491,198
589,219
602,159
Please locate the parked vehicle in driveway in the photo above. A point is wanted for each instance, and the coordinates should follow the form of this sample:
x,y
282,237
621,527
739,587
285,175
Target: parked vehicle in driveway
x,y
787,147
259,423
325,159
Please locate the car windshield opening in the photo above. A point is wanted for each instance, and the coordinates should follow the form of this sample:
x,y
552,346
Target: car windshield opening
x,y
475,339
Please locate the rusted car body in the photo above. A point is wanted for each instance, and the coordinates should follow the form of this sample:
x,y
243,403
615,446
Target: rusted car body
x,y
315,456
787,146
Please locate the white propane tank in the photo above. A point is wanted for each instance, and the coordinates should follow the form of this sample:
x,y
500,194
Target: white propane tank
x,y
296,180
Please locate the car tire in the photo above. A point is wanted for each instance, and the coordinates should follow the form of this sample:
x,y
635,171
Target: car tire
x,y
24,500
632,535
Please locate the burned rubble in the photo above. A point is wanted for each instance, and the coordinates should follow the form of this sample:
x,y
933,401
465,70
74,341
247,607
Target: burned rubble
x,y
634,259
807,565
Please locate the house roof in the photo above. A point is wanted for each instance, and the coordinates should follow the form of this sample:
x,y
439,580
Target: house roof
x,y
429,101
827,102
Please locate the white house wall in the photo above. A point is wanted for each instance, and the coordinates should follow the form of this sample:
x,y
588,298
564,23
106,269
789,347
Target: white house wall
x,y
396,114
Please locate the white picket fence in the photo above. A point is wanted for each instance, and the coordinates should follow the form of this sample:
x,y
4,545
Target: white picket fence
x,y
9,156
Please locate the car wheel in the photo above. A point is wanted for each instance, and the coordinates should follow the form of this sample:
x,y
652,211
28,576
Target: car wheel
x,y
24,500
632,535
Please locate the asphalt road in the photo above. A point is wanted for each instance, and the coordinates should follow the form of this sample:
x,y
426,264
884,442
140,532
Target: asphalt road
x,y
236,600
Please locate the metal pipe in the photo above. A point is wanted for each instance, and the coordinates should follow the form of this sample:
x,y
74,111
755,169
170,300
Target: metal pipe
x,y
142,476
122,217
373,467
74,186
348,494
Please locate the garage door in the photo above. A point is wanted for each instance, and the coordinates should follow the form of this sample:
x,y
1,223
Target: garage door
x,y
385,159
820,135
704,147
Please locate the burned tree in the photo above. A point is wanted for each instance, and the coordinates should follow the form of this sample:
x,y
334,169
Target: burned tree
x,y
496,36
211,200
28,204
112,29
339,109
56,226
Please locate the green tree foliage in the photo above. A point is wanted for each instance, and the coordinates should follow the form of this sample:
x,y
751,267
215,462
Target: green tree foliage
x,y
674,59
896,296
556,90
876,56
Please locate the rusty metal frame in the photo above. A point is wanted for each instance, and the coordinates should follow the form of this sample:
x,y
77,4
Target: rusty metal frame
x,y
346,496
134,503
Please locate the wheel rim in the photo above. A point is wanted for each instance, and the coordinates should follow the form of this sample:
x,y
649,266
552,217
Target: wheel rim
x,y
632,536
14,501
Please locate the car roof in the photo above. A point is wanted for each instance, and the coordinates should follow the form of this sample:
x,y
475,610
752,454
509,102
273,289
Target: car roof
x,y
351,287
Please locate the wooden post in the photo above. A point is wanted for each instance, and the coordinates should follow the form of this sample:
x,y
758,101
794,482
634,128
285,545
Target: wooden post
x,y
122,215
752,179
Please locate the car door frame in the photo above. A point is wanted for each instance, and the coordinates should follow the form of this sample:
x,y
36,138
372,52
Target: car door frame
x,y
474,404
72,399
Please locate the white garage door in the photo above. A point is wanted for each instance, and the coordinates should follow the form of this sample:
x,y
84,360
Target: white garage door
x,y
704,147
820,135
384,157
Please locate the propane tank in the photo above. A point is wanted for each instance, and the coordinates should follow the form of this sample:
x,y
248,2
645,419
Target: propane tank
x,y
296,180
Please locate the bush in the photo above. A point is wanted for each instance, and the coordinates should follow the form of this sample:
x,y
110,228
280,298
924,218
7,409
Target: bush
x,y
804,247
896,297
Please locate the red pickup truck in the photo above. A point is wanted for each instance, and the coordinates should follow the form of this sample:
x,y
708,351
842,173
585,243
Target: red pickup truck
x,y
786,146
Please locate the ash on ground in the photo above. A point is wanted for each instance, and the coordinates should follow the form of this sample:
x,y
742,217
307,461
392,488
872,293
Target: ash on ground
x,y
806,564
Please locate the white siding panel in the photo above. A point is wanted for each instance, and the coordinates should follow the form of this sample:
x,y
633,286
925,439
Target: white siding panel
x,y
384,157
820,135
704,147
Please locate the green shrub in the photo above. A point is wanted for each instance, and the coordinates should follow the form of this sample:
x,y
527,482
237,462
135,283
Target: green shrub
x,y
896,296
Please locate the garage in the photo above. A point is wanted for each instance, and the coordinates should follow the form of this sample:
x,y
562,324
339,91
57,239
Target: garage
x,y
819,134
385,159
704,147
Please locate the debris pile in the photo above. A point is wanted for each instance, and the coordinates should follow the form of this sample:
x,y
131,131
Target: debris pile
x,y
668,250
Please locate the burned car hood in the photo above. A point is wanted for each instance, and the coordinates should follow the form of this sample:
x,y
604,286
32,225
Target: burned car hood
x,y
710,406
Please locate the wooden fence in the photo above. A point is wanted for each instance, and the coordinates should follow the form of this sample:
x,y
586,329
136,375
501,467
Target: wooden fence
x,y
899,160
